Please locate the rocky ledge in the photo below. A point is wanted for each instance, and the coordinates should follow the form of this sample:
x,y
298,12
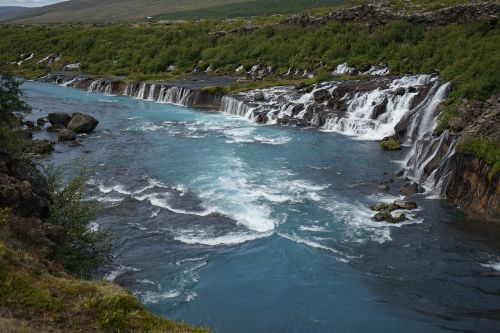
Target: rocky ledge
x,y
380,13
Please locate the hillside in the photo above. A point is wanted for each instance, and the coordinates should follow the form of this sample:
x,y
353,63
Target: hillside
x,y
9,12
113,10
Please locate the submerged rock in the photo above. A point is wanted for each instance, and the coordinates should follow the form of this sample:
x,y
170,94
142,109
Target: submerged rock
x,y
67,135
55,128
82,123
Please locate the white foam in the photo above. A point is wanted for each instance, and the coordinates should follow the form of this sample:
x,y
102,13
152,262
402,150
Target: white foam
x,y
228,239
299,240
312,228
119,271
150,297
494,265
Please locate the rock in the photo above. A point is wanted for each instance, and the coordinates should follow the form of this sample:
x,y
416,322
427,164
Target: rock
x,y
321,96
284,120
262,118
297,109
59,118
39,147
399,217
400,91
456,124
27,133
67,135
384,206
259,97
406,204
41,121
75,143
55,128
380,109
412,89
82,123
384,215
55,233
410,189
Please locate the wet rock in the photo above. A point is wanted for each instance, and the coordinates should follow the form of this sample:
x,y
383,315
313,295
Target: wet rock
x,y
400,91
41,121
259,97
82,123
384,215
59,118
384,206
284,120
412,89
380,109
262,118
27,133
406,204
297,109
321,96
398,218
410,189
66,135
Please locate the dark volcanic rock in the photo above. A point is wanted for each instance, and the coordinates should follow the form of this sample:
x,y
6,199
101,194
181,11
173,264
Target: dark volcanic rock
x,y
59,118
55,128
82,123
380,109
406,204
321,96
410,189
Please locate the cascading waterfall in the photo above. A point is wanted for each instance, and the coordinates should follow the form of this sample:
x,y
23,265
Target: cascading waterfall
x,y
236,107
373,110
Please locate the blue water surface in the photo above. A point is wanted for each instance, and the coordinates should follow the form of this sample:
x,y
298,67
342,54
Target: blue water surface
x,y
244,228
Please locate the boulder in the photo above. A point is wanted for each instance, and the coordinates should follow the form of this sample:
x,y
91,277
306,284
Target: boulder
x,y
381,206
66,135
400,91
259,97
399,217
59,118
321,96
410,189
262,118
82,123
405,204
297,109
384,215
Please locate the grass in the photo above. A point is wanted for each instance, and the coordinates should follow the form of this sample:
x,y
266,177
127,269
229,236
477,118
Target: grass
x,y
41,296
484,148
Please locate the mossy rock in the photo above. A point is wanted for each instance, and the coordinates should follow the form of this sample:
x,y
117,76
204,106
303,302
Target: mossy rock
x,y
390,144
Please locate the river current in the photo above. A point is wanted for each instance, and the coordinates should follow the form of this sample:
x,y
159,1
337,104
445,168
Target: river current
x,y
245,228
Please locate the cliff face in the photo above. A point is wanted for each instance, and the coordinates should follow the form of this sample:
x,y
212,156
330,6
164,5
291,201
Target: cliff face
x,y
471,189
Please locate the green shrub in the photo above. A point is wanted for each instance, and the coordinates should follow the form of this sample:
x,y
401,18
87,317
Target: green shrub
x,y
84,249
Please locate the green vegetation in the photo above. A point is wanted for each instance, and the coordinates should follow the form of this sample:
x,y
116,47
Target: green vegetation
x,y
12,139
84,249
484,148
390,144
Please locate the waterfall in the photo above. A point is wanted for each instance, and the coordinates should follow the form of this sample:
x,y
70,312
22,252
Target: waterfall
x,y
236,107
362,120
152,91
142,91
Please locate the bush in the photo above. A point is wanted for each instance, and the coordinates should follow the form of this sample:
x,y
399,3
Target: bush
x,y
84,248
390,144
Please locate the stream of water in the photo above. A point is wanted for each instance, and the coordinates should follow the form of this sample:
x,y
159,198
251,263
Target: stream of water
x,y
245,228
